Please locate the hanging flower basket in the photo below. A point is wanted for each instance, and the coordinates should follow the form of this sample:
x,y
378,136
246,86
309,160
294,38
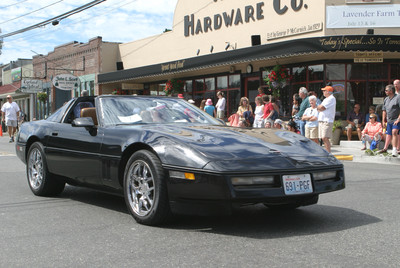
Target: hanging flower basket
x,y
174,86
119,92
42,96
277,78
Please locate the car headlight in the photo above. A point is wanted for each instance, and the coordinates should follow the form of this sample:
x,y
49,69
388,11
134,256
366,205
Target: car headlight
x,y
325,175
252,180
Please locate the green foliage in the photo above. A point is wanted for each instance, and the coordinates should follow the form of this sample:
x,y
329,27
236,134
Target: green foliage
x,y
337,124
42,96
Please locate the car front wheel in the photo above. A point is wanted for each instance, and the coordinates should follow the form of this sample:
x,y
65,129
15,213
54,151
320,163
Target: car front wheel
x,y
39,179
145,189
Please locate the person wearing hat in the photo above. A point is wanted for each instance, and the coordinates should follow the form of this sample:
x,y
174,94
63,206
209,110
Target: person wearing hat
x,y
209,108
326,116
278,124
372,131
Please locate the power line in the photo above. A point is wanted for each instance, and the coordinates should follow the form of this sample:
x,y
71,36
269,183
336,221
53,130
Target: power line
x,y
31,12
72,22
15,4
56,19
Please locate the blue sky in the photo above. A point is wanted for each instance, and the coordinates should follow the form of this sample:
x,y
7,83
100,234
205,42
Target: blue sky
x,y
114,20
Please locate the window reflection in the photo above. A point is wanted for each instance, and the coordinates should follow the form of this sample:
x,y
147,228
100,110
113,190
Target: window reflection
x,y
222,82
335,71
357,71
234,81
316,72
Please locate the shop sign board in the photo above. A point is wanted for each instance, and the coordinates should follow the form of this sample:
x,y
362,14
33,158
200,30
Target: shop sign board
x,y
368,60
31,85
301,29
377,100
362,16
368,57
66,82
16,74
367,1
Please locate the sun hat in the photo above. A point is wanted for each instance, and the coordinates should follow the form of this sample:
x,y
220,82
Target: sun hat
x,y
278,121
180,96
209,102
328,88
373,116
191,101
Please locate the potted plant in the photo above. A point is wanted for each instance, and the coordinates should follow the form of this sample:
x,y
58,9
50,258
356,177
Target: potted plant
x,y
336,132
277,78
174,86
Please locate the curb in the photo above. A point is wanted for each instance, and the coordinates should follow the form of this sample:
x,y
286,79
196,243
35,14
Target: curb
x,y
347,157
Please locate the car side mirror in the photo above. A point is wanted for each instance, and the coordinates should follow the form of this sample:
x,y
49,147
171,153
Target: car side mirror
x,y
83,122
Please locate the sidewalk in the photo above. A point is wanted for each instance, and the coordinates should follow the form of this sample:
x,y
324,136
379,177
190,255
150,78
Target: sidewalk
x,y
6,148
351,151
346,151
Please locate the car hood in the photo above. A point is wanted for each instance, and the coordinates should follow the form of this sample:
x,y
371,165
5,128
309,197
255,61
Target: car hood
x,y
229,148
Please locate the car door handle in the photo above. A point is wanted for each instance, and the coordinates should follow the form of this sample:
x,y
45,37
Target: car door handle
x,y
54,134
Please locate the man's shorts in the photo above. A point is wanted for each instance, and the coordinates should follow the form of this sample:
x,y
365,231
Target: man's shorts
x,y
11,123
221,114
390,127
311,132
325,129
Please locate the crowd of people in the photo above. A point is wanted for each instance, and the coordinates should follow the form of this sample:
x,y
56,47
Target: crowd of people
x,y
314,118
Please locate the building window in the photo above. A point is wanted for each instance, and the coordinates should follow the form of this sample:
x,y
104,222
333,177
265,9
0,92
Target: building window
x,y
222,82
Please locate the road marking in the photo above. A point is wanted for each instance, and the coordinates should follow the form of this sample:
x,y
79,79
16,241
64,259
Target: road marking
x,y
6,154
348,157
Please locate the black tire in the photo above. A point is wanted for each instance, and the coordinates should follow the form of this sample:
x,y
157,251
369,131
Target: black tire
x,y
290,206
145,189
39,179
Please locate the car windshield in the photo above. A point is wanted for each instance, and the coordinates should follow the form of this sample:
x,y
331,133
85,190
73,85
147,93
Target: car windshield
x,y
129,110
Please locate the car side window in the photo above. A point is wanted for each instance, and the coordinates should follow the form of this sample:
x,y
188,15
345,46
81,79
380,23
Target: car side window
x,y
58,114
74,112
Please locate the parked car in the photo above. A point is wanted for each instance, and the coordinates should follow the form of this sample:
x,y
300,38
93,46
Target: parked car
x,y
166,156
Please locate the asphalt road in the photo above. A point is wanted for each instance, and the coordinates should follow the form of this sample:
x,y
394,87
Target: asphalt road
x,y
356,227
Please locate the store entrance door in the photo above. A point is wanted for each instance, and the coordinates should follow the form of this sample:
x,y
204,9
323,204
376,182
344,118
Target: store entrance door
x,y
251,89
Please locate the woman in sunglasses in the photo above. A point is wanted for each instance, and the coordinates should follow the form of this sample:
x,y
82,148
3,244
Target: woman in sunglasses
x,y
372,133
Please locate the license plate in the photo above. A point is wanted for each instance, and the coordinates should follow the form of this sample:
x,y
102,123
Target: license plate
x,y
297,184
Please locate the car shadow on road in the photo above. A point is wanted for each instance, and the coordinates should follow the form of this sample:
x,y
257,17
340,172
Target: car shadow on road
x,y
95,198
260,222
254,221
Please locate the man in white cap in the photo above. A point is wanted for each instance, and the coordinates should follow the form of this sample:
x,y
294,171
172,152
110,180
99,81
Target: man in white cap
x,y
10,114
326,116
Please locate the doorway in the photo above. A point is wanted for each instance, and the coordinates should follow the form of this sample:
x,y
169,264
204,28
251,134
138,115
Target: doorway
x,y
251,85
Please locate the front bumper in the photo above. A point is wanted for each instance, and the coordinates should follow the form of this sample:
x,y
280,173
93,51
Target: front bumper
x,y
20,150
214,194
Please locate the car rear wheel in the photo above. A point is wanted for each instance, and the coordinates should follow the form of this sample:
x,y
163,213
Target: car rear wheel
x,y
39,179
145,189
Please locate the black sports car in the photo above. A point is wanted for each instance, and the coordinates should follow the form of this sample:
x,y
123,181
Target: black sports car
x,y
167,156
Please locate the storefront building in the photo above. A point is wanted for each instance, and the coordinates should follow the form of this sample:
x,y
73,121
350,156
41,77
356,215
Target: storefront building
x,y
13,77
83,61
231,46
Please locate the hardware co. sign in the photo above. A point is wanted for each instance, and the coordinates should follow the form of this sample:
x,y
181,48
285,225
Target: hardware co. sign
x,y
66,82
